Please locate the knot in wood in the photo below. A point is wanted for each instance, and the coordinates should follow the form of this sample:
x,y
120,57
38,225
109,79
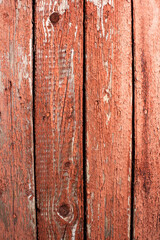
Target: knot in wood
x,y
67,164
54,17
64,210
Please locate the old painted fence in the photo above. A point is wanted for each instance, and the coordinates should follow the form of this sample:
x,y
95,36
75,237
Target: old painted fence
x,y
80,119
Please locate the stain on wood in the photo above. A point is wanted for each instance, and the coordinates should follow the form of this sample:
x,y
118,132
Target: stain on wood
x,y
17,197
58,119
147,120
108,118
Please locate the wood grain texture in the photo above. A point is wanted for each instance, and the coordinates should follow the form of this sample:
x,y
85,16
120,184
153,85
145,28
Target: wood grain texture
x,y
58,118
109,118
147,119
17,198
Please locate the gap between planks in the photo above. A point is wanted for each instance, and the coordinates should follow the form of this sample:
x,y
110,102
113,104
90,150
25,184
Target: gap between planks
x,y
33,112
133,127
84,123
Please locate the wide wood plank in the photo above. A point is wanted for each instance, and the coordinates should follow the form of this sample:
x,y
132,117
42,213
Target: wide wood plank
x,y
147,119
58,118
109,118
17,198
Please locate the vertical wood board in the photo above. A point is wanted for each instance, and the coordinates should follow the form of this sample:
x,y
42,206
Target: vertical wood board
x,y
108,118
17,197
58,119
147,119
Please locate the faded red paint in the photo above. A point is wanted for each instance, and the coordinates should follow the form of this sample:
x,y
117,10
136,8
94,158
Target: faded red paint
x,y
17,198
58,119
147,119
109,119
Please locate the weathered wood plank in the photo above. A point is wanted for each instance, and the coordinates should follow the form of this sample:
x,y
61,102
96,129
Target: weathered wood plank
x,y
147,119
58,118
109,118
17,201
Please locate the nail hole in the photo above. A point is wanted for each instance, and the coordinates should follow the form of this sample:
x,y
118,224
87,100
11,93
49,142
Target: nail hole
x,y
54,17
64,210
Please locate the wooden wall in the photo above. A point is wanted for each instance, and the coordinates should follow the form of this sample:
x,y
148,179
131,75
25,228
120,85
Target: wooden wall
x,y
79,119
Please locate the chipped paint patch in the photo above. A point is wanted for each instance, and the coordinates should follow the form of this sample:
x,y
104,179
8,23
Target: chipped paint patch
x,y
106,98
89,230
108,115
88,175
63,6
23,68
1,83
107,231
100,4
74,230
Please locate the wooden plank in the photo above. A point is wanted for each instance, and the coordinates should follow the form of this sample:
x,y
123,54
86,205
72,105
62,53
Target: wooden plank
x,y
58,119
147,119
109,118
17,200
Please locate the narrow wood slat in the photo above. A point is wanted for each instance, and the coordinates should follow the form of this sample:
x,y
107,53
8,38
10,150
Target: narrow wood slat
x,y
17,200
58,118
147,119
109,118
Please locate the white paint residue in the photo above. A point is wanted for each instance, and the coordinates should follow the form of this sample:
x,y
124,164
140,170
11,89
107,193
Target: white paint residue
x,y
23,68
106,98
89,230
108,91
91,205
53,7
75,31
1,83
45,24
63,6
74,231
31,199
108,117
107,36
72,93
71,78
100,4
19,4
11,56
88,175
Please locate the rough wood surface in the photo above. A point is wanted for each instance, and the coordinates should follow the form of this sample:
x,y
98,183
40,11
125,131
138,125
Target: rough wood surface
x,y
109,118
17,201
147,119
58,119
